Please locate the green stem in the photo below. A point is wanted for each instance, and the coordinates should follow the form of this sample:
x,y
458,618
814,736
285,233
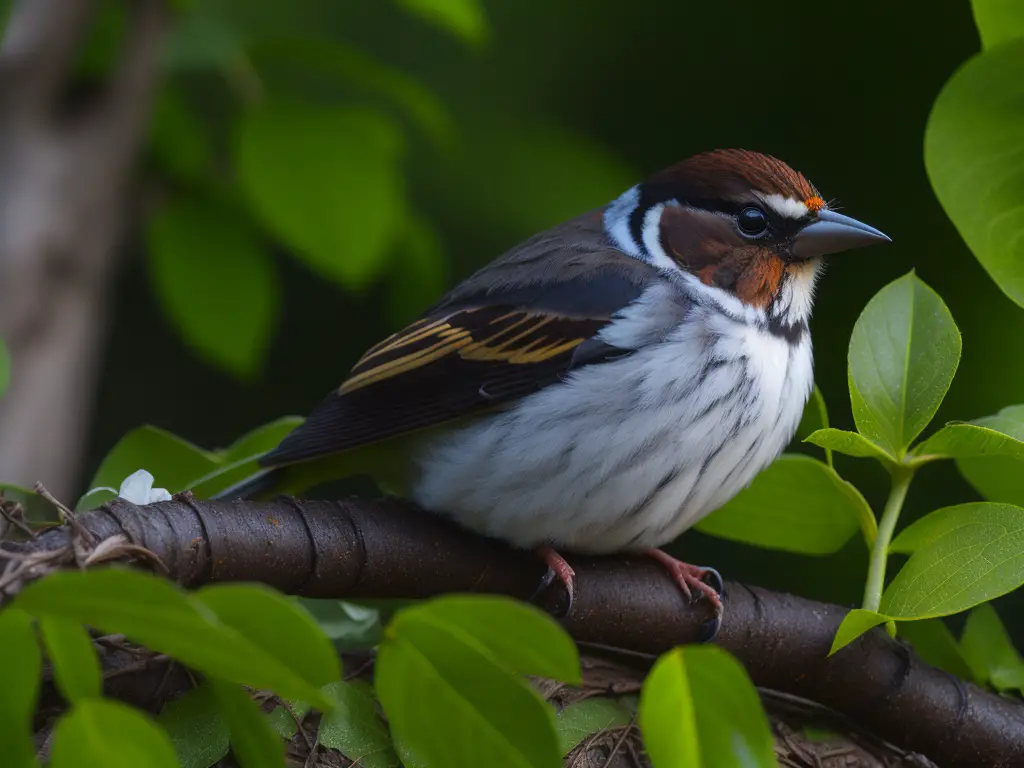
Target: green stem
x,y
901,477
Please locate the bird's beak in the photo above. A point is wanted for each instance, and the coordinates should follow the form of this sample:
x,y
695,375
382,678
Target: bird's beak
x,y
832,232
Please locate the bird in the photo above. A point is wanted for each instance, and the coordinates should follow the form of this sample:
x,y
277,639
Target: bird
x,y
607,383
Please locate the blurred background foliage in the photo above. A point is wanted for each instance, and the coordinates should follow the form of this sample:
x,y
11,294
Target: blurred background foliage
x,y
319,171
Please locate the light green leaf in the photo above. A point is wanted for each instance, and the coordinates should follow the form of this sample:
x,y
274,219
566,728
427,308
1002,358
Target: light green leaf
x,y
355,729
76,667
277,625
262,439
20,677
348,625
797,504
814,418
196,728
936,645
854,624
849,444
974,155
420,272
96,497
254,742
173,462
989,650
998,21
698,708
903,354
463,18
584,718
326,180
155,613
444,677
102,733
963,556
965,441
215,281
999,478
5,367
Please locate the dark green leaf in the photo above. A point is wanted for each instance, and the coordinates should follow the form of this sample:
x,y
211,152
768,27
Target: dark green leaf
x,y
76,667
698,708
463,18
348,625
37,509
854,624
196,728
97,497
963,556
202,39
999,478
261,439
420,272
216,282
101,733
254,742
20,676
5,367
934,643
849,444
998,20
285,720
965,441
355,729
583,719
798,504
326,180
451,701
155,613
277,625
180,142
904,352
173,462
989,650
974,154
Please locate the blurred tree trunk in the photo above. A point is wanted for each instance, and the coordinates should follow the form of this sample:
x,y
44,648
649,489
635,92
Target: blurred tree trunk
x,y
64,179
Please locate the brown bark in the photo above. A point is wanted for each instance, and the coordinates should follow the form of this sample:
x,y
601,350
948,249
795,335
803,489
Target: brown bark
x,y
387,549
64,175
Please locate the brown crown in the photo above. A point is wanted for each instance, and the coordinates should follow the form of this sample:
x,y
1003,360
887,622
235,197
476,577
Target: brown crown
x,y
726,174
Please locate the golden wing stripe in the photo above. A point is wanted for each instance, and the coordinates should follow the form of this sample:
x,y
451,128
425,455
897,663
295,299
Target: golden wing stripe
x,y
398,340
403,364
481,351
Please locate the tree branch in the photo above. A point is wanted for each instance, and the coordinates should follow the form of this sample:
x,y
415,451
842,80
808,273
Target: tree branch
x,y
388,549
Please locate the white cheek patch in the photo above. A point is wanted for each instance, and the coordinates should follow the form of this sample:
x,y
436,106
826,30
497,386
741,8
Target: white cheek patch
x,y
784,206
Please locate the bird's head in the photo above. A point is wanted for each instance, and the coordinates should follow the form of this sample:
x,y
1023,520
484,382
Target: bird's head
x,y
739,221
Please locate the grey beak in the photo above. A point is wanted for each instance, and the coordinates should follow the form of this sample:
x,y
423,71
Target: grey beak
x,y
831,233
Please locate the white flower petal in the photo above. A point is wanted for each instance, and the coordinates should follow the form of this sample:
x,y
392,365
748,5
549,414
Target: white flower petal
x,y
159,494
136,487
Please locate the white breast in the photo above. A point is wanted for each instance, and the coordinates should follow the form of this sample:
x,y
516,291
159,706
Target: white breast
x,y
630,453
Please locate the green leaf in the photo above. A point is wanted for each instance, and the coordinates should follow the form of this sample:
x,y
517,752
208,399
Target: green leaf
x,y
277,625
989,651
444,677
76,668
102,733
254,742
348,625
854,624
326,180
179,141
963,556
584,718
936,645
262,439
849,444
20,677
463,18
903,354
5,367
97,497
814,418
698,708
965,441
974,155
201,39
196,728
173,462
420,272
797,504
155,613
355,729
215,281
998,21
999,478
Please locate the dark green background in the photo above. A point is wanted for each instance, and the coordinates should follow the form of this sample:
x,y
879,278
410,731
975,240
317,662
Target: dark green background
x,y
839,90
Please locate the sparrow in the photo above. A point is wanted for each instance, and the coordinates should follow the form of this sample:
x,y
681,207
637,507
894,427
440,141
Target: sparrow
x,y
607,383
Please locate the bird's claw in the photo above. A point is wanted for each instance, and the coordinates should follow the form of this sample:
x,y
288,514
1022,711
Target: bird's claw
x,y
557,568
693,578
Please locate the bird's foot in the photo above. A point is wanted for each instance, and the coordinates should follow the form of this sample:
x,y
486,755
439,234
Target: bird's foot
x,y
694,579
557,567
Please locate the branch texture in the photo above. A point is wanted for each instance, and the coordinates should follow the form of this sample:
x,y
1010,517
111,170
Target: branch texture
x,y
389,549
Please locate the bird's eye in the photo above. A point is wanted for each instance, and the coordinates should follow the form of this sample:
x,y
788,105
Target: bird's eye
x,y
753,222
